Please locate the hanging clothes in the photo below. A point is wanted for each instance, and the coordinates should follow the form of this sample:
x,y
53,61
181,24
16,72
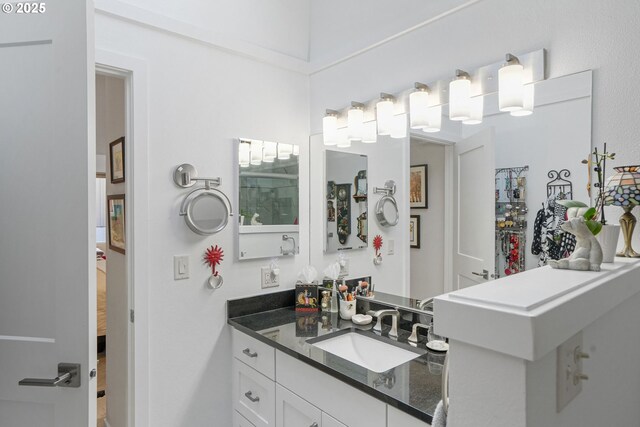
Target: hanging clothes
x,y
549,240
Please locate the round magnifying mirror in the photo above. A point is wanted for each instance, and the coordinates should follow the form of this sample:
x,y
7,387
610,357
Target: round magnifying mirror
x,y
387,211
206,212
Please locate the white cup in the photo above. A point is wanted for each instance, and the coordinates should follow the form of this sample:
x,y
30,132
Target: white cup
x,y
347,309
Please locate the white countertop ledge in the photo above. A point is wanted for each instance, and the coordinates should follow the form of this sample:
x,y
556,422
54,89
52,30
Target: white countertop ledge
x,y
529,314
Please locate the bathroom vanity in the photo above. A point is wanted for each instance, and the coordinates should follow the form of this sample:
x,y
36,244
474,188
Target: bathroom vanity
x,y
282,377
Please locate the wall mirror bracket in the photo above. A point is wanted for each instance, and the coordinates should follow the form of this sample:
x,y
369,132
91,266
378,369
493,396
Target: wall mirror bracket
x,y
186,176
389,188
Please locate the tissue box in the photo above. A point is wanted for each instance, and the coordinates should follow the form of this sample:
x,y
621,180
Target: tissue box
x,y
307,298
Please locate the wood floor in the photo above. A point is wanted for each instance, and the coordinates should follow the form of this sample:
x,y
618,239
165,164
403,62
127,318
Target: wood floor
x,y
102,385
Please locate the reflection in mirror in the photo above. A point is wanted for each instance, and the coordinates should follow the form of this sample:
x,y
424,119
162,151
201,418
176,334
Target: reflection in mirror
x,y
346,193
529,153
208,211
268,199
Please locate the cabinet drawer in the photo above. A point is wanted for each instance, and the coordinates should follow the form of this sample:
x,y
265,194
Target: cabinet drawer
x,y
254,353
293,411
253,395
240,421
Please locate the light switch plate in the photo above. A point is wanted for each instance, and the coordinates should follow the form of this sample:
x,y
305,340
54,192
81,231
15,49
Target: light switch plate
x,y
568,367
391,247
268,279
180,267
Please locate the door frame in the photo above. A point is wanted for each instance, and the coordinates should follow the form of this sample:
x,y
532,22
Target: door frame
x,y
448,201
134,72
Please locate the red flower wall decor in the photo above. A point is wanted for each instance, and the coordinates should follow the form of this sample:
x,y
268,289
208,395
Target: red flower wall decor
x,y
377,244
213,256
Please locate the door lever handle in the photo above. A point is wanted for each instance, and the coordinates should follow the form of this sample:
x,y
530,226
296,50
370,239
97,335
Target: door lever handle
x,y
68,376
484,274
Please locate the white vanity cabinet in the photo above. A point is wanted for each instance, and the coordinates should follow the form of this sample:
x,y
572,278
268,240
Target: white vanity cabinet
x,y
271,388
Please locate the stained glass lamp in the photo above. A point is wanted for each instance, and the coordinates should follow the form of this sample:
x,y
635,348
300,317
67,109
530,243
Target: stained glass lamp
x,y
623,189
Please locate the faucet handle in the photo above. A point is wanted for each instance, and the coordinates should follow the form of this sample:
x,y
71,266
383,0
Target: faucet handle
x,y
414,332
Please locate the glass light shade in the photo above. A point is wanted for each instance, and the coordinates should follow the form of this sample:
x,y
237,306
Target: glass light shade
x,y
529,100
330,130
355,119
342,141
256,153
296,150
269,151
399,128
418,109
623,188
511,87
477,111
460,99
285,151
434,119
244,154
384,116
370,135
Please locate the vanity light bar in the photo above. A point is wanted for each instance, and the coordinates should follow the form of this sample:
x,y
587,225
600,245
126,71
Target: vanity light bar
x,y
464,96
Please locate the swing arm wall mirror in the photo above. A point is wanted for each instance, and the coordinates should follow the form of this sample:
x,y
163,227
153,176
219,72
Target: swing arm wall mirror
x,y
206,210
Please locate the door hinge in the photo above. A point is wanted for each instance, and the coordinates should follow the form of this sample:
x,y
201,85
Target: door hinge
x,y
132,316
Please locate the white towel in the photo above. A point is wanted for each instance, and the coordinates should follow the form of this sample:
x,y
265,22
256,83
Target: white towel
x,y
439,417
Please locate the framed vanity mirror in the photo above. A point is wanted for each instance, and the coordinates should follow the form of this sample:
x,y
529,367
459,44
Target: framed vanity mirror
x,y
268,199
346,194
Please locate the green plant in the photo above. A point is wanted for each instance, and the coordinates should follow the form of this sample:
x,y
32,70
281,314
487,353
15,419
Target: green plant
x,y
589,214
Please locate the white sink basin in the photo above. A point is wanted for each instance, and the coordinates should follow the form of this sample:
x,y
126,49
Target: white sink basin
x,y
375,355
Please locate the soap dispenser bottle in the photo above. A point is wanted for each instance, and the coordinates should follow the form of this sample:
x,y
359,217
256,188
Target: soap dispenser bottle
x,y
335,306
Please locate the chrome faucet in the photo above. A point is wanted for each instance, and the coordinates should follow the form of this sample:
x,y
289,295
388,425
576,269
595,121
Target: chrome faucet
x,y
414,333
380,314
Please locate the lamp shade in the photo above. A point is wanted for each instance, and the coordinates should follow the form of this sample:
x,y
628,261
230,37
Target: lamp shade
x,y
269,151
256,152
623,188
460,99
330,129
419,109
529,100
244,154
355,124
285,151
511,87
384,116
434,119
370,135
477,111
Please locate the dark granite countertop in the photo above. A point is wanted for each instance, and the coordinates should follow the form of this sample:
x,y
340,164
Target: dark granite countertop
x,y
413,387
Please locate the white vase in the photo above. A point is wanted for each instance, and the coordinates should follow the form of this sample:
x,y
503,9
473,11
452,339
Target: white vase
x,y
608,239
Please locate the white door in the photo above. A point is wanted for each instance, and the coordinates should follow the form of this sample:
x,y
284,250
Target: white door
x,y
47,242
294,411
474,210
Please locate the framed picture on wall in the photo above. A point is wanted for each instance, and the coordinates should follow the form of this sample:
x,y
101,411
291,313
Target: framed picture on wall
x,y
116,160
418,194
414,231
117,238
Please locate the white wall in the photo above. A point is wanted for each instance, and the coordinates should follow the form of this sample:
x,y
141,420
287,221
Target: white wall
x,y
278,25
110,125
386,160
427,263
577,34
340,28
199,100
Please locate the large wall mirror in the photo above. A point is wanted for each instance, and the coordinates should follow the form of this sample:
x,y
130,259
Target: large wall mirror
x,y
268,199
346,216
494,186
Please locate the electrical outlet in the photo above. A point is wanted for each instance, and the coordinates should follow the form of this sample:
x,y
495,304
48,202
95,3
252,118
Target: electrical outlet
x,y
391,247
180,267
268,278
569,373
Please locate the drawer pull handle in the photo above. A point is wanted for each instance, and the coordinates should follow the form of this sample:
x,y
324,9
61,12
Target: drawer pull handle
x,y
248,353
249,395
